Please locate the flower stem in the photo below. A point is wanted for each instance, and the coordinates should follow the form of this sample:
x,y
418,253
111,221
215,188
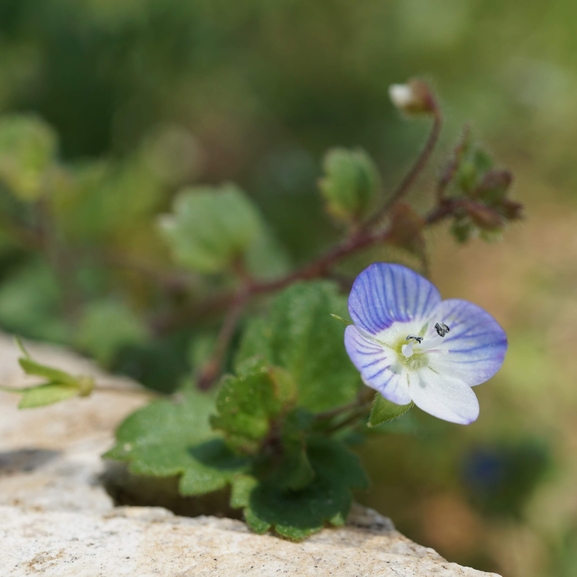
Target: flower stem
x,y
415,170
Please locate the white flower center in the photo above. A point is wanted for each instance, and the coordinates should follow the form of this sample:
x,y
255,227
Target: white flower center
x,y
420,345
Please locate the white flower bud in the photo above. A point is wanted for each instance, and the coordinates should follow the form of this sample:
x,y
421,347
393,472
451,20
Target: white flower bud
x,y
413,97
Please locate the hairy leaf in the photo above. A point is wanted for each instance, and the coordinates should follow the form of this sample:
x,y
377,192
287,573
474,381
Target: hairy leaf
x,y
168,438
296,514
301,336
247,404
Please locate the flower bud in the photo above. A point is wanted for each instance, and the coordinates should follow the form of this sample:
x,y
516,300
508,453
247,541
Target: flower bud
x,y
494,185
415,97
350,183
511,210
484,217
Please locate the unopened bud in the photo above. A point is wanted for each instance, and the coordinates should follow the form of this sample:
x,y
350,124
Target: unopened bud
x,y
511,210
484,217
494,185
415,97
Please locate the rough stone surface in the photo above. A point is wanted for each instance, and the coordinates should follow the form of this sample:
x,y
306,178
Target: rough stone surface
x,y
57,520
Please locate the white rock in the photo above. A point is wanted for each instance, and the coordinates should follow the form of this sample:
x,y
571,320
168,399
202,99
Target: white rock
x,y
57,520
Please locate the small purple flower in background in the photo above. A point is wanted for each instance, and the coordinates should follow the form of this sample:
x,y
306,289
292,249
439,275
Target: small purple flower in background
x,y
409,345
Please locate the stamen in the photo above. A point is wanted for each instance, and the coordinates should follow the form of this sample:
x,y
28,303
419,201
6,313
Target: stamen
x,y
442,329
415,338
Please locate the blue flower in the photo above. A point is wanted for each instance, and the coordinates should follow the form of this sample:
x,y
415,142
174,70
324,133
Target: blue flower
x,y
409,345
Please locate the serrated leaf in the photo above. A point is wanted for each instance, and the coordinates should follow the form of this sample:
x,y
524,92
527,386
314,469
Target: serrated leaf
x,y
383,411
47,394
169,438
36,369
211,227
247,404
298,514
300,336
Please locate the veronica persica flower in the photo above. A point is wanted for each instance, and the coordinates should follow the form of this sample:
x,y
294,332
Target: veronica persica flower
x,y
409,345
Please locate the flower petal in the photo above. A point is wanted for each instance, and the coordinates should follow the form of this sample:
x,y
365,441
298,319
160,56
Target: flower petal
x,y
374,363
386,293
444,397
477,344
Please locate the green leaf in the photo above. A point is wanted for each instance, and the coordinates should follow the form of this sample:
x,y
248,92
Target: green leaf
x,y
350,184
47,394
169,438
384,411
265,255
210,227
298,514
36,369
108,325
28,149
247,404
300,336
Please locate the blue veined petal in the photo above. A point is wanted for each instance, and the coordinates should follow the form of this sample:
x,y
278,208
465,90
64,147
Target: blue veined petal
x,y
443,396
477,344
374,362
386,293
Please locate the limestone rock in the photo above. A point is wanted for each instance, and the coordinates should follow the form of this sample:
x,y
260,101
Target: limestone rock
x,y
58,520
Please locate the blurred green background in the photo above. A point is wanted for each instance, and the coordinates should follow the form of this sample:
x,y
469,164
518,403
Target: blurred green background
x,y
147,95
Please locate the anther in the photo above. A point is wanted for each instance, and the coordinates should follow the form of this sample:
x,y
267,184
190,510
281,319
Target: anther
x,y
415,338
442,329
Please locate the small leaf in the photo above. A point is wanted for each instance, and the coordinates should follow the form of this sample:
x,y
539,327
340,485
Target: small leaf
x,y
384,411
34,368
211,227
28,149
350,184
168,438
300,336
248,403
298,514
47,394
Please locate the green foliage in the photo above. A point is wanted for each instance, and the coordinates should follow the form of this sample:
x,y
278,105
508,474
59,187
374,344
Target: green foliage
x,y
60,385
300,336
28,149
29,303
44,395
384,411
106,326
350,183
248,403
211,228
170,438
296,514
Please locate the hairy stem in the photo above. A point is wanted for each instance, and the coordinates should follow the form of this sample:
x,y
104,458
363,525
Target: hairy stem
x,y
418,166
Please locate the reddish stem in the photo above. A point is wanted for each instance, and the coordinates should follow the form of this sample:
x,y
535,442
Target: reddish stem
x,y
415,170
